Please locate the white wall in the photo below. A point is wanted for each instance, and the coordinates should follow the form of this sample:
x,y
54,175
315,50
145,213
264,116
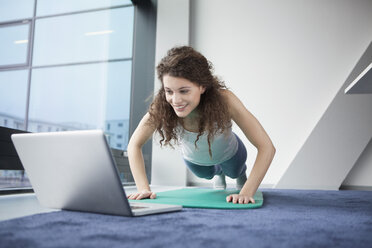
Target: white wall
x,y
360,175
337,140
286,60
172,29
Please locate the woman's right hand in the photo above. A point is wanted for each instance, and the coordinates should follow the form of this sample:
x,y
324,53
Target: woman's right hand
x,y
143,194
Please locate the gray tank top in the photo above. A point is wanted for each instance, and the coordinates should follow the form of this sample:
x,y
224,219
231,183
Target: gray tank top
x,y
223,146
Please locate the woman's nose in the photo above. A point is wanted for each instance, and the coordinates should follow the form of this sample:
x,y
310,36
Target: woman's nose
x,y
177,98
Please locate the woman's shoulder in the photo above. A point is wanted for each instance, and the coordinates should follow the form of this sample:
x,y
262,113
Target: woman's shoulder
x,y
227,95
234,104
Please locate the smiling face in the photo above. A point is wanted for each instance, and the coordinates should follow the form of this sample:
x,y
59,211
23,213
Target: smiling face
x,y
182,94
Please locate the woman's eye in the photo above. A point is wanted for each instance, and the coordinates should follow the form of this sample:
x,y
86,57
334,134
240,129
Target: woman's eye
x,y
168,92
184,91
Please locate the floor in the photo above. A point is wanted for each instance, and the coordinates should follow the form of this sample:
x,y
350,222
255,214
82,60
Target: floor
x,y
288,218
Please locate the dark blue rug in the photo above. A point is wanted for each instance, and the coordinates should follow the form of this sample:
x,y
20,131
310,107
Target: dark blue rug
x,y
288,218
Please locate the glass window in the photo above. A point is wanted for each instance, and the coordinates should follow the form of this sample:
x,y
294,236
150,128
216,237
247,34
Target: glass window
x,y
52,7
13,95
14,44
16,9
94,36
81,69
90,96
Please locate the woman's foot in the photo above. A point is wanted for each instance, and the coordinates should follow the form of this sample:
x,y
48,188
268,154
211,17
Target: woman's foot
x,y
240,181
219,182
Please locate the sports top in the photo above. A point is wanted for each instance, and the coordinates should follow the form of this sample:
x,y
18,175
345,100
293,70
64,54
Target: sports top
x,y
223,147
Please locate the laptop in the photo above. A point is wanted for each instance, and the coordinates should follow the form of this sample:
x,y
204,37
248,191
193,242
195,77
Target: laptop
x,y
75,170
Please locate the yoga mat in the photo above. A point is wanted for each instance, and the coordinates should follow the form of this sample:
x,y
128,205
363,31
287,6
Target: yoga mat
x,y
202,198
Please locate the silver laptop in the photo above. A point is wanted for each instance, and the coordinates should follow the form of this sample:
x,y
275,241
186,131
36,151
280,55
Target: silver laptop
x,y
75,170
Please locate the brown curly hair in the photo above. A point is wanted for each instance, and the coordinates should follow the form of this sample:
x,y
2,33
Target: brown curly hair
x,y
187,63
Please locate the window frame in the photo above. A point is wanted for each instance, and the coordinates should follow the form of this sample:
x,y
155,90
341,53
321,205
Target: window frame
x,y
143,69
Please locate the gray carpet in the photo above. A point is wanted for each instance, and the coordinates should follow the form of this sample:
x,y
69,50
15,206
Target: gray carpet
x,y
288,218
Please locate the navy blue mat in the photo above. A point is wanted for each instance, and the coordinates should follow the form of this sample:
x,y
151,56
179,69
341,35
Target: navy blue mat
x,y
288,218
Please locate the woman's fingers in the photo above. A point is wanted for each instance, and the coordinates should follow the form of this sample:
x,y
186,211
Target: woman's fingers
x,y
132,196
239,199
142,195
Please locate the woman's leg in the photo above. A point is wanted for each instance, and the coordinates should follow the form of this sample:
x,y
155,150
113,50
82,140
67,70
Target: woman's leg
x,y
235,166
206,172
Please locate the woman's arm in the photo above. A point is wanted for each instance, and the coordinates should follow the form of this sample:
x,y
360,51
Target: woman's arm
x,y
256,134
142,133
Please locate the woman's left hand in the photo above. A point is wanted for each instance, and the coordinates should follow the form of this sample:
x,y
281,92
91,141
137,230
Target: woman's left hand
x,y
240,199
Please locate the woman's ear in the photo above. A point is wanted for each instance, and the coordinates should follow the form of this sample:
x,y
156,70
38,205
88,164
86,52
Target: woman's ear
x,y
202,89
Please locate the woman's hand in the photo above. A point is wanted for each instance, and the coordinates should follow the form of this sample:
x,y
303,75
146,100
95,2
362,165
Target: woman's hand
x,y
142,195
240,199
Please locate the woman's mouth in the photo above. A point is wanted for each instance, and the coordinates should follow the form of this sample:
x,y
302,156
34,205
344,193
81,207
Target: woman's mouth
x,y
180,108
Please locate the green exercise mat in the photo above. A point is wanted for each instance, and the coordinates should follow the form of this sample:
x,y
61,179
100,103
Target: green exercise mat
x,y
203,198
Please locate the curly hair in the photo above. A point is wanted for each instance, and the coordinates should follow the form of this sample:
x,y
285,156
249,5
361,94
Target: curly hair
x,y
187,63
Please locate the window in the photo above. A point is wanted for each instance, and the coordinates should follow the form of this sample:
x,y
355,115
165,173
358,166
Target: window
x,y
81,34
10,10
54,7
13,97
14,43
83,76
78,89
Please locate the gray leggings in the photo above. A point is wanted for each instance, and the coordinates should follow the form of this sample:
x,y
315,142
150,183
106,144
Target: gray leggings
x,y
234,167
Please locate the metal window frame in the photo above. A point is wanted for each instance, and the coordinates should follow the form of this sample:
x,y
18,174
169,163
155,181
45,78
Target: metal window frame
x,y
143,69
